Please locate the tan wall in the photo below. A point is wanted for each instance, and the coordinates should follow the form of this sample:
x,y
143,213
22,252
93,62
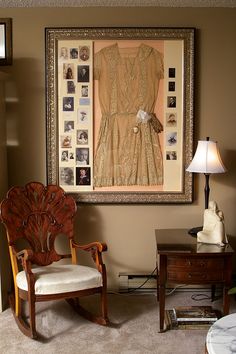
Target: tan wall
x,y
128,229
5,278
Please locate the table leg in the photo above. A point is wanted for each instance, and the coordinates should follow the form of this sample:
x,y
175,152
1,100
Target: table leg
x,y
162,282
162,306
213,291
226,300
227,285
157,284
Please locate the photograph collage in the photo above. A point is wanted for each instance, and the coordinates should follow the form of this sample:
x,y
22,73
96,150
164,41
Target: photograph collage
x,y
75,112
171,116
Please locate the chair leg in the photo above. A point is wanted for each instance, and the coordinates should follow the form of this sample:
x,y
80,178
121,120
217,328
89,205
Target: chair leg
x,y
104,306
102,319
17,302
32,317
21,323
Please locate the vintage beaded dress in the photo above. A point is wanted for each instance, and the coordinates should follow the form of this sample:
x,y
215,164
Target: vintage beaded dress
x,y
128,152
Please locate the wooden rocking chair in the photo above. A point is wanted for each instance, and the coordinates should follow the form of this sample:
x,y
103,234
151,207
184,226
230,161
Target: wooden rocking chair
x,y
37,214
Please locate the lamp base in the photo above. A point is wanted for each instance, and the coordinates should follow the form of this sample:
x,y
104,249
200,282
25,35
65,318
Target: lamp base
x,y
193,232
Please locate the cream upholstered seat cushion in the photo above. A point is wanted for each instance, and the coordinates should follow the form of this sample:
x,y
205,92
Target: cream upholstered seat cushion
x,y
56,279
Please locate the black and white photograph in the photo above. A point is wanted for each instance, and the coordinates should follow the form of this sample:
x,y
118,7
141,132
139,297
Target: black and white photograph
x,y
171,101
84,53
69,126
68,71
82,116
84,91
171,155
171,138
63,54
171,119
171,86
171,72
73,53
82,137
66,176
83,73
64,155
71,155
70,87
82,156
68,103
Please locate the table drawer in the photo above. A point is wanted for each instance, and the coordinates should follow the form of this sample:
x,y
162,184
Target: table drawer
x,y
194,276
193,263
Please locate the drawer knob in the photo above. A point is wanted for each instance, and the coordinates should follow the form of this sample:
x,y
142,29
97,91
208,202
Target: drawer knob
x,y
202,276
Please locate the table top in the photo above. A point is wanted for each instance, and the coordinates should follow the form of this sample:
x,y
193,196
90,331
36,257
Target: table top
x,y
179,241
221,337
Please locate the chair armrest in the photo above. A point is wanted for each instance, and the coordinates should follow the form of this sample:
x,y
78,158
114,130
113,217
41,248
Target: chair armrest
x,y
96,249
25,256
100,247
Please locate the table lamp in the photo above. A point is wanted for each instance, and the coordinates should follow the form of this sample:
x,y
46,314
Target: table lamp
x,y
206,160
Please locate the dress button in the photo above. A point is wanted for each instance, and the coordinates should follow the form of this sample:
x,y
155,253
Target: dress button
x,y
135,129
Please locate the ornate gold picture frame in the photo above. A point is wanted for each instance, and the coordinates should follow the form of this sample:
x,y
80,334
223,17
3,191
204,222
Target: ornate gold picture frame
x,y
119,106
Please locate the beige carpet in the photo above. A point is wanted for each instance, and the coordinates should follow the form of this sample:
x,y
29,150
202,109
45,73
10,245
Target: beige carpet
x,y
133,329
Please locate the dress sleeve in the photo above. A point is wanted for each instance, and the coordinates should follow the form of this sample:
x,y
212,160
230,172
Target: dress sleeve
x,y
97,65
159,59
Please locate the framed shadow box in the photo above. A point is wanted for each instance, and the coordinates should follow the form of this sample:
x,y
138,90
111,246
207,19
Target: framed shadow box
x,y
119,105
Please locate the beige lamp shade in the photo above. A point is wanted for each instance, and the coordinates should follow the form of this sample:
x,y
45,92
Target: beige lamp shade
x,y
206,159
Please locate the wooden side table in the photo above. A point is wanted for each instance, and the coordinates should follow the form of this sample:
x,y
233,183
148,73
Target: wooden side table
x,y
184,261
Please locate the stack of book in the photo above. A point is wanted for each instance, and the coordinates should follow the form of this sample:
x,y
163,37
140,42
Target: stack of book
x,y
191,317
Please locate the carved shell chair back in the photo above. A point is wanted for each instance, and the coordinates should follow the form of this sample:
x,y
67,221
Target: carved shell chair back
x,y
34,215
